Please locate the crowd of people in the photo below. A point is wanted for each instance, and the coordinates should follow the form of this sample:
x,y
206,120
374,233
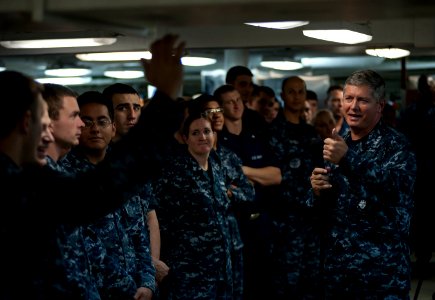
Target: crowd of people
x,y
230,195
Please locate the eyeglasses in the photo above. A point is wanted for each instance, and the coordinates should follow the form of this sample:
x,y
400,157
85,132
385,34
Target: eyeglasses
x,y
210,111
102,123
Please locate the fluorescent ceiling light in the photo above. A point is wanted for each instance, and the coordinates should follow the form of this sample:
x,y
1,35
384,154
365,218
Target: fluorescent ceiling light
x,y
282,65
67,72
65,80
341,61
58,43
279,25
197,61
137,55
390,53
151,90
124,74
2,69
114,56
338,36
341,32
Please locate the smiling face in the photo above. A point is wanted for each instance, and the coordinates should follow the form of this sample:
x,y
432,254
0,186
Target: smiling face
x,y
97,136
200,138
361,110
215,114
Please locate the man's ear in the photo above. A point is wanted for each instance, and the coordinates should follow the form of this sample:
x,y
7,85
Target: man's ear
x,y
26,122
113,130
184,138
381,106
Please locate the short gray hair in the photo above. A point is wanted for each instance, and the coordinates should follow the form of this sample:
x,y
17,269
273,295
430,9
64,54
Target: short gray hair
x,y
371,79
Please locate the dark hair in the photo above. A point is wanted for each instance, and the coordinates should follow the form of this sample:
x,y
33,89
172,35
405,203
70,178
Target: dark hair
x,y
268,101
119,88
53,94
202,101
235,71
311,95
425,92
371,79
19,93
267,90
423,84
334,87
95,97
255,90
223,89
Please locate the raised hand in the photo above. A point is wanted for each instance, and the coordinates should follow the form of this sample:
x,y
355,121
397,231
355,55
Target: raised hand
x,y
164,70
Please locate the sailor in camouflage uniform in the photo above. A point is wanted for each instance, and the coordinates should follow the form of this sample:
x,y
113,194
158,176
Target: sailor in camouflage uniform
x,y
240,191
296,242
366,192
123,234
72,243
127,108
194,214
31,260
66,127
118,244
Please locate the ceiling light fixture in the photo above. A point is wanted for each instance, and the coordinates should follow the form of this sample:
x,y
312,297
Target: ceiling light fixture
x,y
124,74
279,25
67,72
197,61
344,61
114,56
137,55
58,43
282,65
346,33
390,53
65,80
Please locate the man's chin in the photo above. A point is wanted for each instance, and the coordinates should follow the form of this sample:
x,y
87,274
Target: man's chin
x,y
41,161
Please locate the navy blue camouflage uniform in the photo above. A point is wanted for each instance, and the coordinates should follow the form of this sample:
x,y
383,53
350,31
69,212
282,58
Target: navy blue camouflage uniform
x,y
368,213
196,231
72,244
122,236
243,194
30,213
296,238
